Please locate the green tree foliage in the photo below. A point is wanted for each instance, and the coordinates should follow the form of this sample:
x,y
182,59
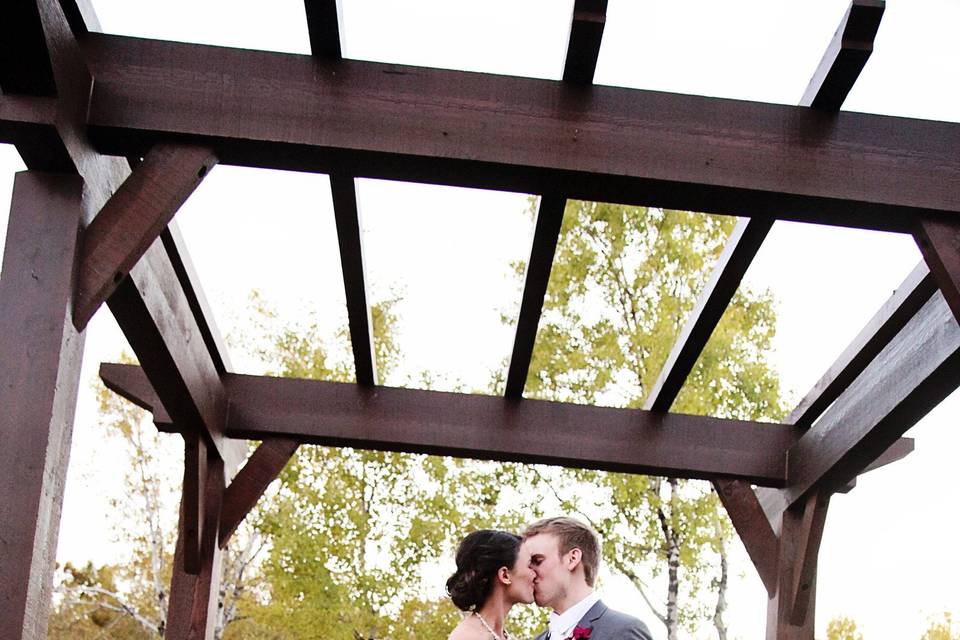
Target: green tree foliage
x,y
624,280
843,628
942,628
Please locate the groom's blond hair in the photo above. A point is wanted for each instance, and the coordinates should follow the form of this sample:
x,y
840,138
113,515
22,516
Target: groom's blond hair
x,y
571,534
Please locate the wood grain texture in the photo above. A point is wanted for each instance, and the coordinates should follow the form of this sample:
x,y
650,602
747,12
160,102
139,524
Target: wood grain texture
x,y
350,239
41,354
537,277
494,428
535,136
809,535
583,46
910,376
133,218
263,467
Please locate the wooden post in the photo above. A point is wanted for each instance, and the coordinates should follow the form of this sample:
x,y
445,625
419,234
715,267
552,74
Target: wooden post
x,y
40,352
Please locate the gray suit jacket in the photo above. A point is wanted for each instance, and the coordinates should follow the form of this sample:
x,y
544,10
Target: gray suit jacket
x,y
608,624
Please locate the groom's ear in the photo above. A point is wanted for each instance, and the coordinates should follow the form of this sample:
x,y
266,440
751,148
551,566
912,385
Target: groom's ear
x,y
573,558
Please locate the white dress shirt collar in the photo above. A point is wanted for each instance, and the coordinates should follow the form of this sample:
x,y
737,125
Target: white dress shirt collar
x,y
561,626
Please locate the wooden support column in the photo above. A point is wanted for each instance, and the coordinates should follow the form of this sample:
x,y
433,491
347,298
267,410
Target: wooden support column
x,y
790,611
40,352
192,612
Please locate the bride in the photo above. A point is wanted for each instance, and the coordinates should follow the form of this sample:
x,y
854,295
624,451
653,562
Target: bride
x,y
490,578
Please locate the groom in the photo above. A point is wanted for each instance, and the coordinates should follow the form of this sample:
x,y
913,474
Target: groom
x,y
564,555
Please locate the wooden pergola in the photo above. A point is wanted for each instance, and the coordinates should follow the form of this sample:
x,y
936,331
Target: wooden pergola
x,y
117,132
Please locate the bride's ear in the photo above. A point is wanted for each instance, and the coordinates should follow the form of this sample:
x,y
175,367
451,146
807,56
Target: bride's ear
x,y
503,575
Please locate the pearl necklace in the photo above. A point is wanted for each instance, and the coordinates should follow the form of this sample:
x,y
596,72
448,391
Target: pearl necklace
x,y
506,636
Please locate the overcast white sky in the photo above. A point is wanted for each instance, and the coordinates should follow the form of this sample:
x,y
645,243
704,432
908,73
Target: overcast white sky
x,y
889,556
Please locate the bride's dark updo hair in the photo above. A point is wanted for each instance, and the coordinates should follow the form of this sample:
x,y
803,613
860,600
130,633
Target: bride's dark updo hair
x,y
479,558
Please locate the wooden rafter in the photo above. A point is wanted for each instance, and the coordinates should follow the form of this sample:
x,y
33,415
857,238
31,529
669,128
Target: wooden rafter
x,y
583,47
446,127
133,219
545,237
829,86
939,242
324,20
350,238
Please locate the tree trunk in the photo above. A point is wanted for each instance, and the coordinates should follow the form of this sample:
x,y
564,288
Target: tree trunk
x,y
721,585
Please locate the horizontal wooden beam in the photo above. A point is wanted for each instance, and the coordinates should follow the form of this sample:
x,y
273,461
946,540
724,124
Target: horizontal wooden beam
x,y
845,57
377,120
537,277
133,219
493,428
909,297
350,238
910,376
583,47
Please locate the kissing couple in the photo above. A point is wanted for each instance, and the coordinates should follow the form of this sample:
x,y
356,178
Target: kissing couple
x,y
554,563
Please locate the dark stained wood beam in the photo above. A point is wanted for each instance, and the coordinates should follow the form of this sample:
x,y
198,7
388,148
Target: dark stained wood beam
x,y
41,354
263,467
192,502
493,428
939,242
131,383
192,611
537,277
199,306
29,123
133,219
155,316
827,90
753,527
909,297
583,47
738,253
519,134
349,235
795,534
324,20
809,535
910,376
845,56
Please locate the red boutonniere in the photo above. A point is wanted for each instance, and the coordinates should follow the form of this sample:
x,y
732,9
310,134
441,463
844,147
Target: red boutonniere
x,y
581,633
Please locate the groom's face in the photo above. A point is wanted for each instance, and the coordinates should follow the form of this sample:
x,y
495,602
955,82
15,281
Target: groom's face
x,y
550,574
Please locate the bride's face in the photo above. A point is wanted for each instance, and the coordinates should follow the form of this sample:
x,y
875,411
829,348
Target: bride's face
x,y
521,581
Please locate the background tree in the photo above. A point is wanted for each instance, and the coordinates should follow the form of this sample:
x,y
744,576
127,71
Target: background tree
x,y
942,628
623,282
843,628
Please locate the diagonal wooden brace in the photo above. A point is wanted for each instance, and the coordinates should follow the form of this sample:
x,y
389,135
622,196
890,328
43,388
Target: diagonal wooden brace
x,y
939,242
132,219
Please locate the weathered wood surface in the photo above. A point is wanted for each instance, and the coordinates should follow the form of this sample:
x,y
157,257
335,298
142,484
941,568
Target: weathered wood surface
x,y
537,277
133,218
39,378
910,376
349,236
494,428
583,46
388,121
809,535
909,297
